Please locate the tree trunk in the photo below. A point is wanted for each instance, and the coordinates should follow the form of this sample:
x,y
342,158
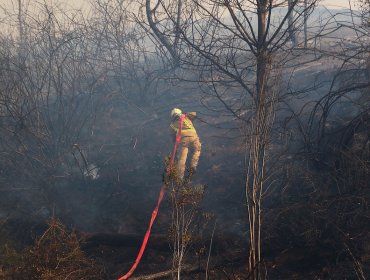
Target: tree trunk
x,y
291,25
305,17
254,180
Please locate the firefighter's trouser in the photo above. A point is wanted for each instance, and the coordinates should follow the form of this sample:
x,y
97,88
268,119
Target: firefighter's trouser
x,y
188,142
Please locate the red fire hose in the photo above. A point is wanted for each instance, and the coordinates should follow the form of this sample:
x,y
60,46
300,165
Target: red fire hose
x,y
155,211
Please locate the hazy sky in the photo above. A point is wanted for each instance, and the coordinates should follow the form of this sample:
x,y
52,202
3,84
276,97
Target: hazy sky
x,y
337,3
79,3
9,8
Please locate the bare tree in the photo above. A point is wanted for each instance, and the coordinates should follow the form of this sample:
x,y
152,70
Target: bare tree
x,y
185,200
154,17
238,45
334,139
46,98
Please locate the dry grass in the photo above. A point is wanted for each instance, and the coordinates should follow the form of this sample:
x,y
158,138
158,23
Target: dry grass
x,y
57,255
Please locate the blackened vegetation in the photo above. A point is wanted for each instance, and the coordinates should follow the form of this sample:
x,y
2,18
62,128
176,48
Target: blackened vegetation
x,y
56,254
320,224
316,221
83,142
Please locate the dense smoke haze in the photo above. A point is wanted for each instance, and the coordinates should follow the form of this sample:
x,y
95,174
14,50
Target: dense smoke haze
x,y
277,92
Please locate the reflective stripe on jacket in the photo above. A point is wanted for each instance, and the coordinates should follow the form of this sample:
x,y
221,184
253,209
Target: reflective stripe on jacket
x,y
187,126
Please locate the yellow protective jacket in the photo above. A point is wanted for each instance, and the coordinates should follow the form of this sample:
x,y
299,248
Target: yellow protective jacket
x,y
187,126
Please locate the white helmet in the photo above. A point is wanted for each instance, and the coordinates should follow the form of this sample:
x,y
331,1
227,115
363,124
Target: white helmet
x,y
176,112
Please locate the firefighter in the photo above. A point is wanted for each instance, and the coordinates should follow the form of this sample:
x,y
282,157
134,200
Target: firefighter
x,y
189,139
